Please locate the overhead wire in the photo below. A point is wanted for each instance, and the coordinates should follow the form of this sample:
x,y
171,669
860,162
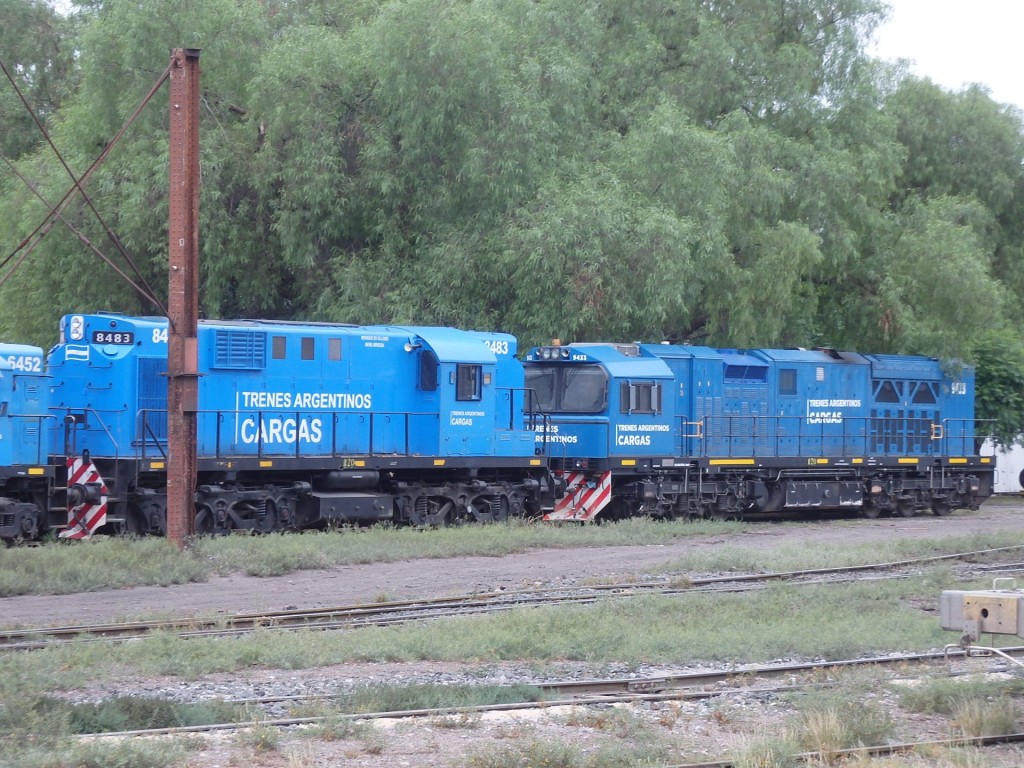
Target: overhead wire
x,y
82,237
55,212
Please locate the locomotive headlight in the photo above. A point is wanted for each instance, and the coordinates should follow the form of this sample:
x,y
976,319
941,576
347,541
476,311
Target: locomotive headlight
x,y
565,353
545,354
77,327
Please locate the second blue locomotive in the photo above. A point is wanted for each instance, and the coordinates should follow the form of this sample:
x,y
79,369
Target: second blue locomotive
x,y
677,430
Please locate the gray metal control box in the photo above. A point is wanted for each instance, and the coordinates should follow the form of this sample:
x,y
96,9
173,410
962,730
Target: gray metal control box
x,y
974,613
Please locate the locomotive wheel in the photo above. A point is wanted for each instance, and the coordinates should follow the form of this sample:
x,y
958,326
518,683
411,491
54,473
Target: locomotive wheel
x,y
941,507
906,508
870,510
213,517
149,519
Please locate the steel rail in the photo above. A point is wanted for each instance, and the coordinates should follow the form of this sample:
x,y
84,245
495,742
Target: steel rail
x,y
880,750
338,617
358,616
691,686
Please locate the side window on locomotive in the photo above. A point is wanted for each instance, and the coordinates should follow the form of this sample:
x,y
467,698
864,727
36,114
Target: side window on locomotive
x,y
467,382
428,371
334,350
308,348
642,397
787,381
278,347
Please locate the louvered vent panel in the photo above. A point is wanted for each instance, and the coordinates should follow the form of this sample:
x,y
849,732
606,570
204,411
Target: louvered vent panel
x,y
153,395
240,349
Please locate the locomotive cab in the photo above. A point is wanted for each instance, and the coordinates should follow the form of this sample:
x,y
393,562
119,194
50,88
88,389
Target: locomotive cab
x,y
605,404
604,409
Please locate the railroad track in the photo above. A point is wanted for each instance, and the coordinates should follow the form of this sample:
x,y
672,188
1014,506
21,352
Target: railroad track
x,y
683,686
395,612
881,750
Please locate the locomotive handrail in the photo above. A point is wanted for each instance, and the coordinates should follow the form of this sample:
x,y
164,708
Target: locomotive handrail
x,y
371,419
532,412
70,417
144,413
859,436
968,439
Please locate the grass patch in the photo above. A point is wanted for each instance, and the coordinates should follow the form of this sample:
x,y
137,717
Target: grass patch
x,y
67,753
620,722
398,698
794,557
111,563
123,713
107,563
553,753
766,751
132,713
941,696
61,568
822,621
985,717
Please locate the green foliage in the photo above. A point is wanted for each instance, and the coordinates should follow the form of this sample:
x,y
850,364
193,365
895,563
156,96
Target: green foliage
x,y
64,567
137,713
1000,385
398,698
38,55
61,568
942,696
735,173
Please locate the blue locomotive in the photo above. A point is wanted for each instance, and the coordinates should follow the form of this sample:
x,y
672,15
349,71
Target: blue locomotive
x,y
302,424
669,431
26,476
311,424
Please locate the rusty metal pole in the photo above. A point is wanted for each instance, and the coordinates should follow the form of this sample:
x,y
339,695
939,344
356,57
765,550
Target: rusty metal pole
x,y
183,296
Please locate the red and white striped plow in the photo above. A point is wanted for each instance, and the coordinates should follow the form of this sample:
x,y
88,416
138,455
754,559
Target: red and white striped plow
x,y
583,499
84,518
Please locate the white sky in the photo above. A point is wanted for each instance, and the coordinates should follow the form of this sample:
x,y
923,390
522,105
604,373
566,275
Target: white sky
x,y
956,42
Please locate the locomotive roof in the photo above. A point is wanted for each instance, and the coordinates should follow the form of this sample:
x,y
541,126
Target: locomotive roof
x,y
625,360
20,349
813,356
451,345
448,344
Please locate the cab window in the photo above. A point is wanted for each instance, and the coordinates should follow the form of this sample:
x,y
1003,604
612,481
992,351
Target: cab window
x,y
568,388
467,382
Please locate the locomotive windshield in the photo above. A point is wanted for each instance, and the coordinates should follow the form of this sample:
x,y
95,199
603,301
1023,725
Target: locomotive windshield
x,y
568,389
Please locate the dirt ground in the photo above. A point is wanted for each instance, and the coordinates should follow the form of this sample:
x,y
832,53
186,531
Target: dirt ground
x,y
696,731
344,585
